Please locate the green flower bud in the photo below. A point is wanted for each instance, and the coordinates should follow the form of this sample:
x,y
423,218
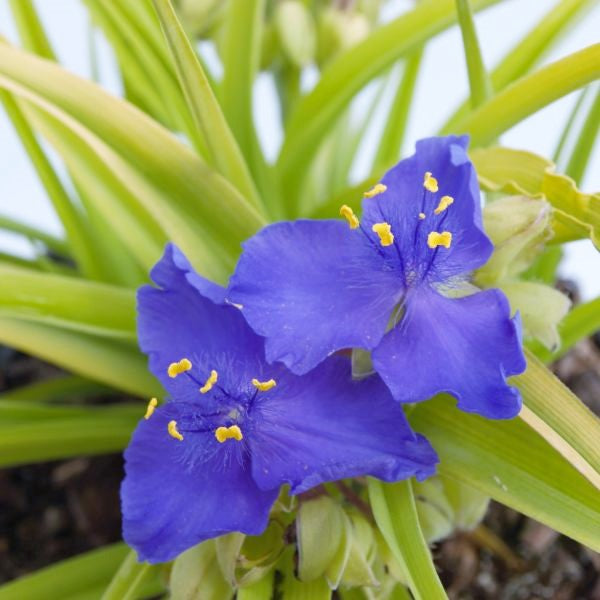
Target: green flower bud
x,y
339,30
296,29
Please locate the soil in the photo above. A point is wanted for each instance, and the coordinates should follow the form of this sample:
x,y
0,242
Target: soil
x,y
51,511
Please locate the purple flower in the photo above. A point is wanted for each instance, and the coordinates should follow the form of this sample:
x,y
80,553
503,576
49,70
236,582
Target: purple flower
x,y
212,459
391,283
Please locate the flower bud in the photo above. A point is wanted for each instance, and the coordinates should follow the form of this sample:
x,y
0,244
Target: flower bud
x,y
296,29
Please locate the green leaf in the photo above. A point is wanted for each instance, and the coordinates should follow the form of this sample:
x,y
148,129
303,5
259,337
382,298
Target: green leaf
x,y
107,361
159,173
575,430
396,516
511,463
531,49
260,590
567,130
129,579
586,139
67,302
345,75
222,145
51,242
69,578
30,28
60,388
529,94
319,527
576,214
479,82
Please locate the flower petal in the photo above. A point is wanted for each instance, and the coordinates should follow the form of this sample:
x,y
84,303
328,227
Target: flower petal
x,y
406,198
314,287
324,426
464,346
172,500
186,318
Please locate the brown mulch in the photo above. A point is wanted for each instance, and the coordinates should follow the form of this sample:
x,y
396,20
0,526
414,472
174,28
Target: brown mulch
x,y
55,510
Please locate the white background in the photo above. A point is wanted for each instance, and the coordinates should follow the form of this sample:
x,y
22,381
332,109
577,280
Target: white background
x,y
441,86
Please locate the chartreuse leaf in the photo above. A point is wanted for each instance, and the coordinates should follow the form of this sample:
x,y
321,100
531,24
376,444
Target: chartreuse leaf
x,y
69,578
129,579
196,207
479,81
222,145
260,590
30,28
67,302
396,516
33,233
107,361
346,74
196,574
529,51
567,130
585,142
510,462
99,432
60,388
576,214
575,430
529,94
75,226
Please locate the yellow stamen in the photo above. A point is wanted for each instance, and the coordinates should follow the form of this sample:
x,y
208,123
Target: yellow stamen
x,y
377,189
150,408
228,433
177,368
421,216
348,214
445,202
212,379
435,239
430,183
264,386
384,231
172,429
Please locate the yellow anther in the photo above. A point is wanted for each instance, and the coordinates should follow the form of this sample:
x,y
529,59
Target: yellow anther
x,y
348,214
445,202
435,239
177,368
172,429
421,216
377,189
264,386
228,433
150,408
384,231
212,379
430,183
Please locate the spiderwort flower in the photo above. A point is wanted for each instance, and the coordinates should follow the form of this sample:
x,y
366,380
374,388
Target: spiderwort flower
x,y
390,283
212,459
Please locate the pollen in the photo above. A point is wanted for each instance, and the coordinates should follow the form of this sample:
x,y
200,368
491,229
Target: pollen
x,y
177,368
348,214
435,239
421,216
445,202
430,183
228,433
172,429
264,386
150,408
208,384
384,231
377,189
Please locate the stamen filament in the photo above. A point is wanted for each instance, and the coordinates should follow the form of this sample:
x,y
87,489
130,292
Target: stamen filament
x,y
150,408
177,368
227,433
212,379
172,429
264,386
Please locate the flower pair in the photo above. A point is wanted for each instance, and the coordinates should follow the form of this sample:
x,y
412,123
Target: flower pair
x,y
248,414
